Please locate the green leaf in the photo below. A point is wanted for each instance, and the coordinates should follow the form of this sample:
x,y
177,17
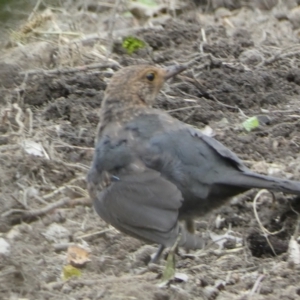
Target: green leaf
x,y
132,44
251,123
70,271
169,270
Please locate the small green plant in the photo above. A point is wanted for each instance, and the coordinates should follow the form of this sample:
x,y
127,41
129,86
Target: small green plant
x,y
70,271
132,44
251,123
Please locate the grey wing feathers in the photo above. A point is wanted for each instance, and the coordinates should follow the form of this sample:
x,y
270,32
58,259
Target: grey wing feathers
x,y
144,205
219,148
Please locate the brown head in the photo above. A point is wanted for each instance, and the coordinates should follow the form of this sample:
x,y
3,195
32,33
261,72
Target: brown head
x,y
138,85
133,88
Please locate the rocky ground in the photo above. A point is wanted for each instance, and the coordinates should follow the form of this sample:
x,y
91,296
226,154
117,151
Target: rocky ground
x,y
55,63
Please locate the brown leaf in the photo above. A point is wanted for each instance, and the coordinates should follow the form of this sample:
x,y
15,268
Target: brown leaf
x,y
77,256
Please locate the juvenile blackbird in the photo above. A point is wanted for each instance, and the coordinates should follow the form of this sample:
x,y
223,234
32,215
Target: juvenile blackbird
x,y
151,171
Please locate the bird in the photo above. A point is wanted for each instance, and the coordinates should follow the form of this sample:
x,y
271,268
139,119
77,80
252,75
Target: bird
x,y
152,175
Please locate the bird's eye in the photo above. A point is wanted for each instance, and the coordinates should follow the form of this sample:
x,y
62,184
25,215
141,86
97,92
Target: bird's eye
x,y
150,76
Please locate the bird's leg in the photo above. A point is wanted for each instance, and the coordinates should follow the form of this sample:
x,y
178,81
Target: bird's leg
x,y
190,225
155,257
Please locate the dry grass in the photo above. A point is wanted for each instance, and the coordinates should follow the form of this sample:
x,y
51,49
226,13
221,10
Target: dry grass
x,y
38,191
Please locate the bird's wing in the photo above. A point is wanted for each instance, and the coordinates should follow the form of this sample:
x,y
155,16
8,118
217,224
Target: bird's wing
x,y
219,148
194,162
200,166
170,135
142,204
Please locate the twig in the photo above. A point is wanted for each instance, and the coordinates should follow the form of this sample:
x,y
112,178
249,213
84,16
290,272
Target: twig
x,y
112,279
57,32
50,195
183,108
112,24
77,166
65,145
18,117
209,96
258,195
106,4
185,119
24,202
25,214
9,148
229,106
256,285
265,231
72,70
276,57
36,7
83,192
62,247
203,34
93,234
271,129
52,206
30,118
67,186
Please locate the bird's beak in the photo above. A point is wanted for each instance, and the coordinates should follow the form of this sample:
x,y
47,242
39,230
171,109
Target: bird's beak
x,y
174,70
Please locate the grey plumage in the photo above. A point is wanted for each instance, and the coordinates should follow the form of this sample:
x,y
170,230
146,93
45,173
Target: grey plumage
x,y
150,171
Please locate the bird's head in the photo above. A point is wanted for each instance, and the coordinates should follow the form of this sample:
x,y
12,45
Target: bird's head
x,y
139,84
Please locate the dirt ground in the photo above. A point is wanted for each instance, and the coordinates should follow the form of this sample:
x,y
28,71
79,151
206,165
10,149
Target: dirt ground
x,y
54,67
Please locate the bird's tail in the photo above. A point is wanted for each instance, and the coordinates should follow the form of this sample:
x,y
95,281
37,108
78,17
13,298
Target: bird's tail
x,y
248,180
